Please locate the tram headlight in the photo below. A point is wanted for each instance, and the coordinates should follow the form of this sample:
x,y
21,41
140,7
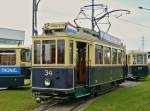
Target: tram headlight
x,y
47,82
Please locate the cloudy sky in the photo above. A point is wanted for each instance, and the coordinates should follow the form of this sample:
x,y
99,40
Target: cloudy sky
x,y
17,14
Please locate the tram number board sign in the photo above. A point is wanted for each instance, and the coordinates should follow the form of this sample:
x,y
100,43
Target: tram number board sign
x,y
50,26
10,70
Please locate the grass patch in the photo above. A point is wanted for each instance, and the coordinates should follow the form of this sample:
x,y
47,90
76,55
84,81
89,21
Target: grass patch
x,y
19,99
124,99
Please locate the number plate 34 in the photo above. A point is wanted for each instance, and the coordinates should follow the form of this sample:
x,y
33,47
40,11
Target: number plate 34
x,y
48,72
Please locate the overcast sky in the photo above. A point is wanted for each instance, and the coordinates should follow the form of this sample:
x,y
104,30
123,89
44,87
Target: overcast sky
x,y
17,14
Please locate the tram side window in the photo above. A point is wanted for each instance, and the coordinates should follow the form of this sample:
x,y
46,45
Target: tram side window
x,y
37,52
98,54
71,52
119,57
60,51
145,59
25,55
139,59
114,56
129,59
7,57
107,55
48,51
134,59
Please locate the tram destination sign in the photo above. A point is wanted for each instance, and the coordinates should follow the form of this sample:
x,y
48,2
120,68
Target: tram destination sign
x,y
10,70
52,26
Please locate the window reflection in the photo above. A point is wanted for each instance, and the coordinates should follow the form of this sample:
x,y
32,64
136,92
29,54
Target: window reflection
x,y
7,57
114,56
119,57
60,51
37,51
107,55
48,51
25,55
140,59
98,54
71,52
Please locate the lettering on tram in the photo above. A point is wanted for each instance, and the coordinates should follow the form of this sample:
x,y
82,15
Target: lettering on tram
x,y
9,70
48,73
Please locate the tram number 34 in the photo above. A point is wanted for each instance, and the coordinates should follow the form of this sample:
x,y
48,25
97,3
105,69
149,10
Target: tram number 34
x,y
48,73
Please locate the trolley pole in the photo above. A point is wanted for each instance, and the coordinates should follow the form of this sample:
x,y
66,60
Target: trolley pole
x,y
92,21
34,17
142,8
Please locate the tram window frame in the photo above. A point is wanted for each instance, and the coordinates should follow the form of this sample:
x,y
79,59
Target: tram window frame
x,y
145,57
140,60
134,59
129,59
120,60
61,51
107,58
114,56
25,55
37,52
48,51
98,54
7,59
71,51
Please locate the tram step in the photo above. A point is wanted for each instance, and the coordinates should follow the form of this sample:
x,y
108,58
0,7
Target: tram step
x,y
80,92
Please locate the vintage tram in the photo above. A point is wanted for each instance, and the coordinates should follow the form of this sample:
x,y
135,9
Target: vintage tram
x,y
15,65
75,62
137,64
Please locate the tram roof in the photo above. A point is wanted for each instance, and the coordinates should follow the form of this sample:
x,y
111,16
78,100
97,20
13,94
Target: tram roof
x,y
136,52
60,30
14,46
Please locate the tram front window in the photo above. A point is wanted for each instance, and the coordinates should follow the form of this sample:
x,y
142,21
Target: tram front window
x,y
48,51
37,51
60,51
25,55
7,57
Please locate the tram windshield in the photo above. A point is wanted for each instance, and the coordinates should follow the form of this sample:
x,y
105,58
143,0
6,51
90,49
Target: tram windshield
x,y
25,55
52,51
7,57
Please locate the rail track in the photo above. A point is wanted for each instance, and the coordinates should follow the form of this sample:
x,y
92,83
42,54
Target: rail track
x,y
65,105
77,104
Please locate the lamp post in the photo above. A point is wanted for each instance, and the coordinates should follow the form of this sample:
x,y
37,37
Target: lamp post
x,y
142,8
34,17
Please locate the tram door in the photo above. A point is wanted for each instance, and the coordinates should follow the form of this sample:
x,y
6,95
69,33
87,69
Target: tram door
x,y
81,64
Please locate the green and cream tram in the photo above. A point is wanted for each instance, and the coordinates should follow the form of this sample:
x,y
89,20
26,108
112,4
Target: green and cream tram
x,y
75,63
15,65
137,64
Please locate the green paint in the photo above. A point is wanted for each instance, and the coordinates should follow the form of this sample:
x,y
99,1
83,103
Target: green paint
x,y
80,92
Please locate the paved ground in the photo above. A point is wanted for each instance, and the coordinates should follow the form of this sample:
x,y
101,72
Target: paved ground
x,y
2,88
130,83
